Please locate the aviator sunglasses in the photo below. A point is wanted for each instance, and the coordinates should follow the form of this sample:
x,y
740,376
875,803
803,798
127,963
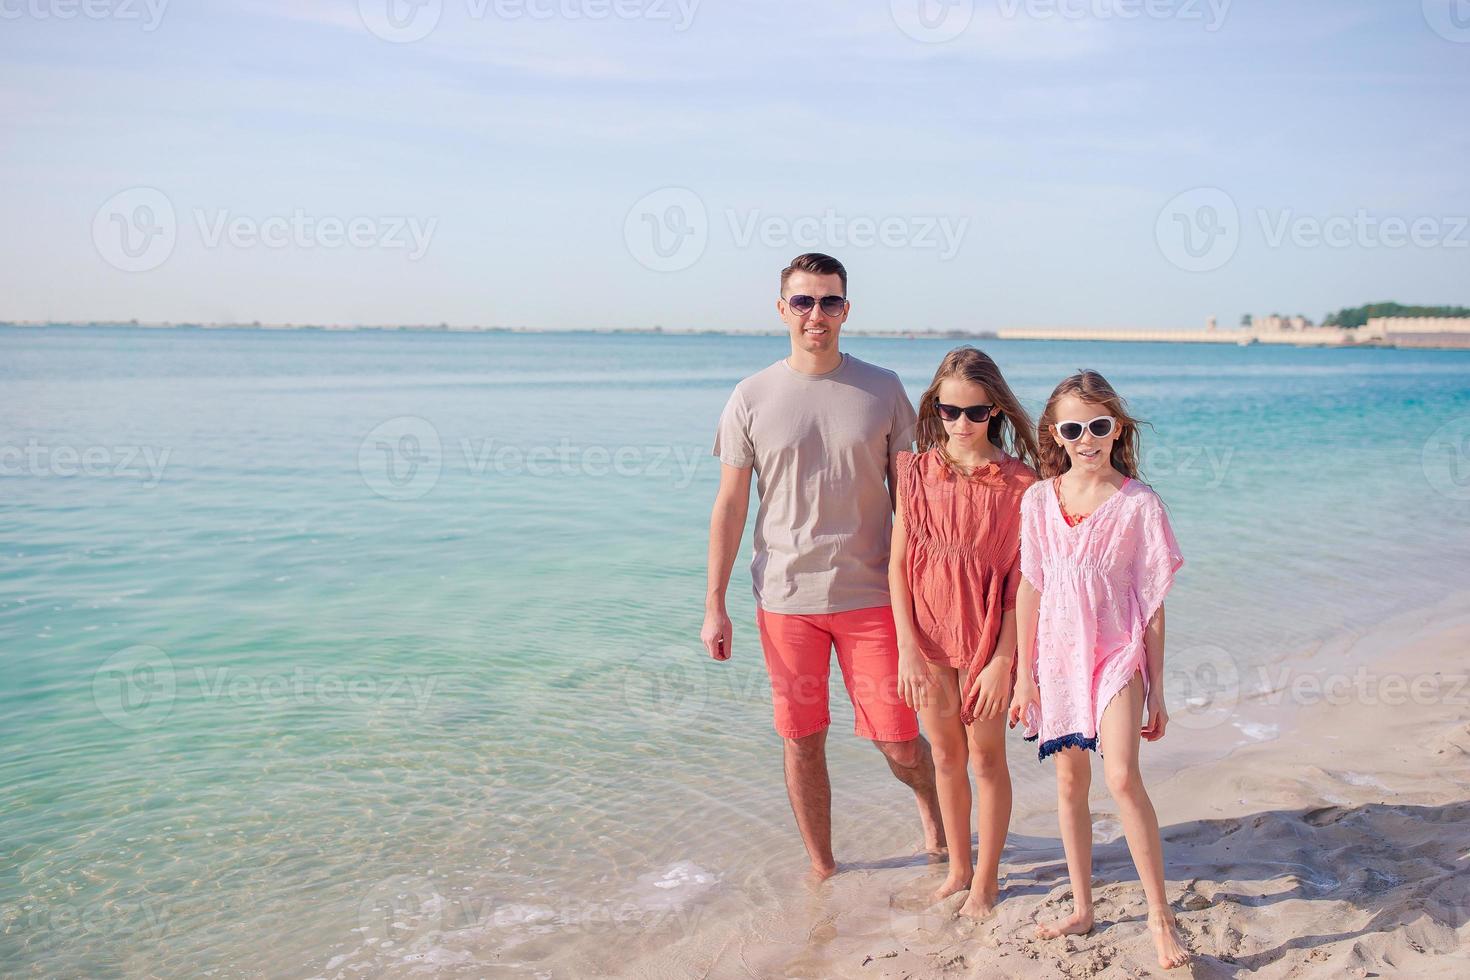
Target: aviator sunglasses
x,y
952,413
1100,427
831,305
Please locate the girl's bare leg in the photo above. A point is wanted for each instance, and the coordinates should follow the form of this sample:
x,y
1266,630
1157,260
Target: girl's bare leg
x,y
992,812
941,721
1121,722
1074,779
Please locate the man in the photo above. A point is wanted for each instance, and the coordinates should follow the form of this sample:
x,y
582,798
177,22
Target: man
x,y
821,430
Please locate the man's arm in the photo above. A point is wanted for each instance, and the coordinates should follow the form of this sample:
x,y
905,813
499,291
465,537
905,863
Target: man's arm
x,y
900,438
726,527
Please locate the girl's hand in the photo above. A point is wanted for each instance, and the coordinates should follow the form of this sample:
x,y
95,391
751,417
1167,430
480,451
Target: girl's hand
x,y
915,685
993,681
1158,717
1026,695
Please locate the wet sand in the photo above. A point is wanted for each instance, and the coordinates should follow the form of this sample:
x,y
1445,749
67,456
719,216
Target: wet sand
x,y
1338,847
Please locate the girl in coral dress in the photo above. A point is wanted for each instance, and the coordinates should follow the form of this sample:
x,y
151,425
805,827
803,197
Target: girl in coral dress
x,y
953,572
1097,558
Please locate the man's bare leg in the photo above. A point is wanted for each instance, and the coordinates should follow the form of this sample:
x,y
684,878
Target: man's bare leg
x,y
810,792
913,764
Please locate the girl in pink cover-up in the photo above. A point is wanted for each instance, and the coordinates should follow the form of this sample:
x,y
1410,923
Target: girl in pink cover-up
x,y
1097,558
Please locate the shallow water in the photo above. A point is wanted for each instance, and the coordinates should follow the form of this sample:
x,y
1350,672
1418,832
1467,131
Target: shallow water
x,y
353,652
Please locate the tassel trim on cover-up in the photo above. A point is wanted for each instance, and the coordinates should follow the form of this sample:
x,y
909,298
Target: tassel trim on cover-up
x,y
1074,740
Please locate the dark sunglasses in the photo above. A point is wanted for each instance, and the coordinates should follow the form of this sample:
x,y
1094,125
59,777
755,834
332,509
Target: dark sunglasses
x,y
831,305
952,413
1100,427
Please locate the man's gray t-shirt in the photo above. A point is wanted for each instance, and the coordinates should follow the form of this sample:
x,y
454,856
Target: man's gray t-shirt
x,y
822,447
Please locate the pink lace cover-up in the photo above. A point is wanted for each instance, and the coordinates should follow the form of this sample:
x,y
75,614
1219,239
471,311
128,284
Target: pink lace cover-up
x,y
1100,583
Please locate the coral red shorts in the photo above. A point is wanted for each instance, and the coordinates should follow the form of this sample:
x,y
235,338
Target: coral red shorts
x,y
799,657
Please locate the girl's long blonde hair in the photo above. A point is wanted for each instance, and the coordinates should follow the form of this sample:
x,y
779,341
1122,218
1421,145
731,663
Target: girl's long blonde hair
x,y
1094,388
1009,429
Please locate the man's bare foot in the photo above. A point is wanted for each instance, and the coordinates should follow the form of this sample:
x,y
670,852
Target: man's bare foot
x,y
1079,923
1170,946
952,886
980,903
821,872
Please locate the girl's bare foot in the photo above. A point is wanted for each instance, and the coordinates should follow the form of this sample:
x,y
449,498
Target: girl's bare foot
x,y
951,886
980,903
821,872
1079,923
1162,927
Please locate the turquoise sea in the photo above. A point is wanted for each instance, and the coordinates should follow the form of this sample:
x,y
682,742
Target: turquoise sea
x,y
350,654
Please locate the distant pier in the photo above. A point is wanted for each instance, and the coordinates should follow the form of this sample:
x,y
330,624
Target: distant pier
x,y
1424,332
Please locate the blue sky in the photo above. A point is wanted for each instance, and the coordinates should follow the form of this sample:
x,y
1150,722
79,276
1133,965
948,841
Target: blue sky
x,y
617,163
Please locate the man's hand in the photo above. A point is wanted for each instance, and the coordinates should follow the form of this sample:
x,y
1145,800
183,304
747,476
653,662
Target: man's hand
x,y
717,633
993,682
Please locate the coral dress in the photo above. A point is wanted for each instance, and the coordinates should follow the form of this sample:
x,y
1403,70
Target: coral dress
x,y
1101,581
963,558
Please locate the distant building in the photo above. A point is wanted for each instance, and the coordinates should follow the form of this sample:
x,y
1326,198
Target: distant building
x,y
1275,323
1389,325
1418,331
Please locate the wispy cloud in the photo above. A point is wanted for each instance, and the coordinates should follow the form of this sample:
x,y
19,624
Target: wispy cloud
x,y
1059,137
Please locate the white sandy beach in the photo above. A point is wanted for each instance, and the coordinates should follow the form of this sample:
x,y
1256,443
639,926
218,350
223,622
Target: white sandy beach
x,y
1340,847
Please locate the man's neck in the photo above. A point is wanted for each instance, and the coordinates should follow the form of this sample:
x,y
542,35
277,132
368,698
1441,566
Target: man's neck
x,y
819,363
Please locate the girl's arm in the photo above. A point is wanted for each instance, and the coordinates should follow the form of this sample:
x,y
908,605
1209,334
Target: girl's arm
x,y
1153,645
1028,613
1005,643
993,681
913,675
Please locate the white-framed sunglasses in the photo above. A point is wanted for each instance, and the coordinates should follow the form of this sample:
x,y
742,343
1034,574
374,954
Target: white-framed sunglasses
x,y
1100,427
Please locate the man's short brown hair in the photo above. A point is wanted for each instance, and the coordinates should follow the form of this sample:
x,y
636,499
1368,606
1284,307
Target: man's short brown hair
x,y
817,264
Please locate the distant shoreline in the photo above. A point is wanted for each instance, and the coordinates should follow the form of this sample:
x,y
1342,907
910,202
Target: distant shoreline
x,y
1226,337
